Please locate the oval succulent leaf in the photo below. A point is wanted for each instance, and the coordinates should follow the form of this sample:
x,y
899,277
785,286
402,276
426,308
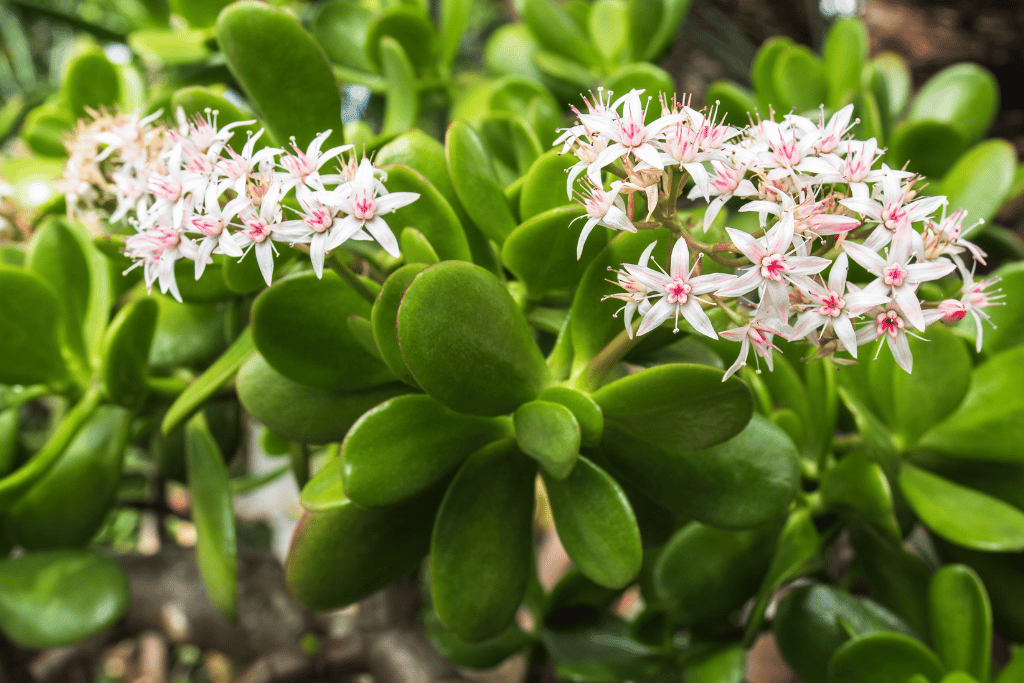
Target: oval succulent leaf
x,y
466,342
549,433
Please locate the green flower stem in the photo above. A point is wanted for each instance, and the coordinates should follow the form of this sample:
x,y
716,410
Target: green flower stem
x,y
848,442
351,278
595,372
15,484
167,386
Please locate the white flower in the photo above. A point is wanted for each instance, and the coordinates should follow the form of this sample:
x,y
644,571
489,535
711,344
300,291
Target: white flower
x,y
628,133
726,183
258,232
157,249
604,207
759,333
635,293
213,226
893,215
304,167
679,290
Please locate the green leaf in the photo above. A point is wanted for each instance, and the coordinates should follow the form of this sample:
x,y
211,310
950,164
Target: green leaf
x,y
856,483
813,621
412,30
883,658
46,128
384,319
186,334
510,51
291,331
216,548
66,507
466,343
340,27
981,180
199,13
596,524
965,96
454,19
282,71
735,102
324,491
608,27
408,444
1014,670
343,554
544,187
703,573
556,30
481,546
542,251
653,24
989,424
588,414
530,100
302,413
653,80
724,665
476,184
485,654
888,79
880,442
737,484
56,598
416,248
762,73
801,80
431,214
513,146
162,47
926,147
961,619
30,320
203,387
403,102
58,257
961,515
1008,321
92,82
125,367
796,552
846,48
549,433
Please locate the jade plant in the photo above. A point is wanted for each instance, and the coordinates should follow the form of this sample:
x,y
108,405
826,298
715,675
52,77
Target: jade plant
x,y
714,352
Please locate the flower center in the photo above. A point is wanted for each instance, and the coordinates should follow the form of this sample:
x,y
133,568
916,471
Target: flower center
x,y
258,230
890,322
678,291
365,205
319,220
895,275
832,305
208,225
773,266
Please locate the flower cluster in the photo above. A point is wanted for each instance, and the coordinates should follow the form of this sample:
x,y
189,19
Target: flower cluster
x,y
190,195
821,202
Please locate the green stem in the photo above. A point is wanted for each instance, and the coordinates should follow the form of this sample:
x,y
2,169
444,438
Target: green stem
x,y
352,279
15,484
167,386
848,442
299,455
595,372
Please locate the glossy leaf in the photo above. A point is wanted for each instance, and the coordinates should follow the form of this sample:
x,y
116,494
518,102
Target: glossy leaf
x,y
857,484
846,48
926,147
703,573
888,78
663,16
480,550
980,180
1008,320
57,256
416,247
556,30
199,13
291,331
485,654
896,578
212,514
961,619
476,184
883,658
801,79
324,490
454,18
126,357
510,50
588,414
529,100
989,424
965,96
91,81
549,433
407,445
59,597
762,73
343,554
384,319
30,351
735,102
814,621
608,25
220,372
653,80
430,214
402,108
410,28
185,333
66,507
962,515
282,71
596,524
542,251
340,27
302,413
466,343
724,665
738,484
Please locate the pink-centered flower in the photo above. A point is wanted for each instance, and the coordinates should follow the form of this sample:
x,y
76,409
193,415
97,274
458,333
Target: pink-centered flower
x,y
635,294
604,207
894,215
679,290
725,183
758,334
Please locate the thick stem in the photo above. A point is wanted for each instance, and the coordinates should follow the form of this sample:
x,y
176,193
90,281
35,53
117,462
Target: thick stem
x,y
352,279
597,369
